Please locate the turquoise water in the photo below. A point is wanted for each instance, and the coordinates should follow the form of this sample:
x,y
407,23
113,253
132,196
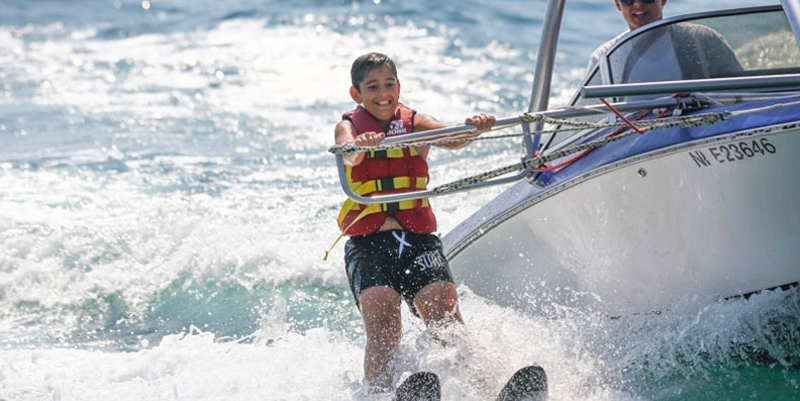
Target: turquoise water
x,y
166,197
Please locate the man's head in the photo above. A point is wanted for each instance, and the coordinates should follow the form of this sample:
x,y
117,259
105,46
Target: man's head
x,y
640,12
375,85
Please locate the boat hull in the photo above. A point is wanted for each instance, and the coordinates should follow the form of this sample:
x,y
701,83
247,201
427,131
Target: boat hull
x,y
694,219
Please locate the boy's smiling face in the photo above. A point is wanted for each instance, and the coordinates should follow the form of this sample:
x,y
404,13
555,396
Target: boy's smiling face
x,y
379,93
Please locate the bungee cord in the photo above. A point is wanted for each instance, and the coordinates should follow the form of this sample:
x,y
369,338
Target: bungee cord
x,y
566,125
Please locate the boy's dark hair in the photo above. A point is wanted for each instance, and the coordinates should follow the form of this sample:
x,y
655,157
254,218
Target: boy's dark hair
x,y
366,63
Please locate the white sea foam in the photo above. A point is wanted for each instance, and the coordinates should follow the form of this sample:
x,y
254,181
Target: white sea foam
x,y
318,364
586,357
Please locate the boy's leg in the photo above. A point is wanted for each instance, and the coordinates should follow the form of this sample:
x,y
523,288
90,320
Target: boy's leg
x,y
437,303
380,308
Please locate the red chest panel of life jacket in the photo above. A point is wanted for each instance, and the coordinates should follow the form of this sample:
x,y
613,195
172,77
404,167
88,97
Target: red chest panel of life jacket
x,y
386,172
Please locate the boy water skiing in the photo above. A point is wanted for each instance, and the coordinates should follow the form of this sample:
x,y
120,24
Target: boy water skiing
x,y
392,254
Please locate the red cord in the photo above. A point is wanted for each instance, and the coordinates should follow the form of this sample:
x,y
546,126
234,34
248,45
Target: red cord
x,y
615,111
611,135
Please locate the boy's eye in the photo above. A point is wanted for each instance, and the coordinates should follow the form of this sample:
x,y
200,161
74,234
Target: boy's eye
x,y
375,87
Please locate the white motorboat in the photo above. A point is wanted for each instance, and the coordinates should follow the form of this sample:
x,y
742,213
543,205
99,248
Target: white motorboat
x,y
704,202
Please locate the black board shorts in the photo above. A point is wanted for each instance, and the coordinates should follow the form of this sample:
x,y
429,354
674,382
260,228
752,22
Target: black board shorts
x,y
401,260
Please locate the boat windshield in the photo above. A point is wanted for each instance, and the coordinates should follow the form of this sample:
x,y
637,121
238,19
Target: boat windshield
x,y
736,43
749,43
714,47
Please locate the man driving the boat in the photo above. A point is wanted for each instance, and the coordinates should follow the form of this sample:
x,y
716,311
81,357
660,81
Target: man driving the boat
x,y
636,13
676,51
391,254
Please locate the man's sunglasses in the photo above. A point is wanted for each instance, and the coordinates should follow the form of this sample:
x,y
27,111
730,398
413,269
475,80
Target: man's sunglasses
x,y
628,3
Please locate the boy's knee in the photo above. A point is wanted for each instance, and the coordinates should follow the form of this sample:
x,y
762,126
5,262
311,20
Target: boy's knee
x,y
437,302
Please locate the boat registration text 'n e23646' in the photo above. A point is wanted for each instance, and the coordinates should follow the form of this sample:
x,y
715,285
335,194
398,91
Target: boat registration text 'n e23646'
x,y
732,152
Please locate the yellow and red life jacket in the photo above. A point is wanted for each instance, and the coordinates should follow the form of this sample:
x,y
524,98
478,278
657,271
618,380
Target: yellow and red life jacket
x,y
386,172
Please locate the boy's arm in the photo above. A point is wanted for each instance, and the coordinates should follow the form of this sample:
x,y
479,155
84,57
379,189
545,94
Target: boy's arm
x,y
346,133
482,122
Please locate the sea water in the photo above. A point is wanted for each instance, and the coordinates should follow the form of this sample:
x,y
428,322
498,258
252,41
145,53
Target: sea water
x,y
166,196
